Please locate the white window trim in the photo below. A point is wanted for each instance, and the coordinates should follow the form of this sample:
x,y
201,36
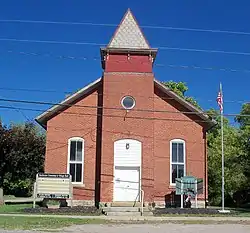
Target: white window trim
x,y
131,98
78,162
184,159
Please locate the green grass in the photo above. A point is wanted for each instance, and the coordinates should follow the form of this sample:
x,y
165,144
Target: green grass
x,y
29,223
234,213
17,208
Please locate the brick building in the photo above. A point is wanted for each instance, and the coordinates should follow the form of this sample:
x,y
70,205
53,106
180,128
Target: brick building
x,y
126,131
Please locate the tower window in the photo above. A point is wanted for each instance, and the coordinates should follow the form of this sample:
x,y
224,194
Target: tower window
x,y
128,102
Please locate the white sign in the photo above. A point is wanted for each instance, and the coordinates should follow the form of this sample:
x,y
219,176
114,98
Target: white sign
x,y
53,186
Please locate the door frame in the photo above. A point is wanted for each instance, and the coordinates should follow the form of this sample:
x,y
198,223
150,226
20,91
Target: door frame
x,y
138,165
127,168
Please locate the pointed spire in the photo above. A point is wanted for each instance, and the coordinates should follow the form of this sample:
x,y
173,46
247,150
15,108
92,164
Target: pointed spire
x,y
128,34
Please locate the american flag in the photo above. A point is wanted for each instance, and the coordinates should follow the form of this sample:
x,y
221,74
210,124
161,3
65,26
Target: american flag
x,y
220,100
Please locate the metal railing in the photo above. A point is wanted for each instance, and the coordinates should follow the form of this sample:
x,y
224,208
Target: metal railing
x,y
142,201
140,197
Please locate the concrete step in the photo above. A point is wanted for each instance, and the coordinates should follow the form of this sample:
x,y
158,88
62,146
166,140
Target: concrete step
x,y
137,214
125,209
123,214
121,209
126,204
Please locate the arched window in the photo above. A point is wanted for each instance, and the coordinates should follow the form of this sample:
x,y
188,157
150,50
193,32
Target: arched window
x,y
76,159
177,159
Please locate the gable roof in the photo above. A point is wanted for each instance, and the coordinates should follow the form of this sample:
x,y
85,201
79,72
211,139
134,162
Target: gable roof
x,y
47,115
186,104
128,35
57,108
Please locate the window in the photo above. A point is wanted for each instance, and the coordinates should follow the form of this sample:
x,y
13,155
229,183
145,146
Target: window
x,y
76,159
177,160
128,102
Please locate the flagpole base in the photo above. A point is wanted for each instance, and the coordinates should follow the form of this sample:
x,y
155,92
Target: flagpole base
x,y
224,211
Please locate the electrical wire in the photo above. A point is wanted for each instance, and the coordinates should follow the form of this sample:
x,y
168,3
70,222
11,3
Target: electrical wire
x,y
115,25
114,108
84,58
115,94
106,115
102,44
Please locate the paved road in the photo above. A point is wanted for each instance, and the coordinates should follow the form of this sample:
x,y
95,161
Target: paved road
x,y
157,228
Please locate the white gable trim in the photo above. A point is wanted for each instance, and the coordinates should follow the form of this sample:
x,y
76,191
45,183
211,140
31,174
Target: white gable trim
x,y
185,103
41,119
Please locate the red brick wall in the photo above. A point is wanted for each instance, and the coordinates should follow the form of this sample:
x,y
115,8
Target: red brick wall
x,y
175,126
133,63
74,122
155,135
119,125
153,129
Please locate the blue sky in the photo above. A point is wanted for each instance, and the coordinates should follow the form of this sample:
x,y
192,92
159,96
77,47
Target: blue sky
x,y
50,73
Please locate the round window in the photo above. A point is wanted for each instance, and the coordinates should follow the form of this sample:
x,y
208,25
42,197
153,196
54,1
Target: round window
x,y
128,102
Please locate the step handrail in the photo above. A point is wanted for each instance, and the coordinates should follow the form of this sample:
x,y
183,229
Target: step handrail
x,y
142,200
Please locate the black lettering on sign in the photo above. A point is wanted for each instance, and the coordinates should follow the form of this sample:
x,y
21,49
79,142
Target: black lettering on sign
x,y
48,175
53,196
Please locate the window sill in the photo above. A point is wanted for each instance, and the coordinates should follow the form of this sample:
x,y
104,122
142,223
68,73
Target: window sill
x,y
78,185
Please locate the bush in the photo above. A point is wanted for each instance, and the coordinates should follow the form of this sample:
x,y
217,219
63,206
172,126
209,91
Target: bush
x,y
20,188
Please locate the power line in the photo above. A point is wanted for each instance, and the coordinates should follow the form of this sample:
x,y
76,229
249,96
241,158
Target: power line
x,y
113,108
113,94
100,44
204,50
46,55
84,58
115,25
51,41
109,115
92,107
104,115
33,90
21,112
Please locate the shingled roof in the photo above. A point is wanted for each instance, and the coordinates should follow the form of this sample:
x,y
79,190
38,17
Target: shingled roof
x,y
128,34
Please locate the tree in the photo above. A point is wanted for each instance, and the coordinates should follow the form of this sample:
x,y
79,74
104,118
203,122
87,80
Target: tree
x,y
3,152
244,120
180,88
235,178
236,150
23,150
237,156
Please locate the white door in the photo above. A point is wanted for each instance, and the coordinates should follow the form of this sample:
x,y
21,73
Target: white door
x,y
127,184
127,168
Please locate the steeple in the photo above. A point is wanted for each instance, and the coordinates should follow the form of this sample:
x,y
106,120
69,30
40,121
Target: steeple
x,y
129,41
128,35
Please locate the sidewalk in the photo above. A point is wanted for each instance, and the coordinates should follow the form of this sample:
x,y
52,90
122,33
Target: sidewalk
x,y
141,218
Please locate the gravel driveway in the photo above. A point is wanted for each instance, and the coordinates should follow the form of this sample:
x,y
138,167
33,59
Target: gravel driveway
x,y
157,228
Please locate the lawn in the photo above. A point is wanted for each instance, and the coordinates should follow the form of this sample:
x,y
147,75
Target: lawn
x,y
15,208
20,208
233,213
38,223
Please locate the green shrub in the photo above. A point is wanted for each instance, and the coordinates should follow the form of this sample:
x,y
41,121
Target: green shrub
x,y
20,188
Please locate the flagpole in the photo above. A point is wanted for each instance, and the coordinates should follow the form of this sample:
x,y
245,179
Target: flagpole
x,y
222,154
